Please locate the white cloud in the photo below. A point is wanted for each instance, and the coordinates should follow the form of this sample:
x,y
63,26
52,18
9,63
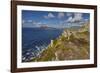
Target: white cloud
x,y
77,18
29,21
50,15
86,20
37,24
69,19
69,14
60,15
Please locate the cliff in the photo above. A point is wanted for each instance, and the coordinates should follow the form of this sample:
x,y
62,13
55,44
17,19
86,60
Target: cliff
x,y
73,44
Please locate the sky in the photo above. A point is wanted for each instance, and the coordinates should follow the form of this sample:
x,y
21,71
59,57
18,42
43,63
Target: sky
x,y
53,19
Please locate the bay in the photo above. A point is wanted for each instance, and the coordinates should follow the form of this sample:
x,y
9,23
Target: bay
x,y
34,40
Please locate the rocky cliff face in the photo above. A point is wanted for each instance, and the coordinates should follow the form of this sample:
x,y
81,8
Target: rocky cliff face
x,y
71,45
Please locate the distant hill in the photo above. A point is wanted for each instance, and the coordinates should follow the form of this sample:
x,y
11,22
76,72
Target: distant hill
x,y
44,26
47,27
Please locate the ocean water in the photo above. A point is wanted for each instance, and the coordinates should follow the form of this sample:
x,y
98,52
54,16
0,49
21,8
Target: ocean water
x,y
35,40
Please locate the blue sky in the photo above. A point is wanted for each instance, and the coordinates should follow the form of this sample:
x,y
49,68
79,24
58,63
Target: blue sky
x,y
53,19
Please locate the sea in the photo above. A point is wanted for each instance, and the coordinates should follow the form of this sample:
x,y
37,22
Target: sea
x,y
35,40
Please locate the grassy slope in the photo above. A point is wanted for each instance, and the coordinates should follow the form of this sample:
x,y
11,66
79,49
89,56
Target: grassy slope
x,y
74,48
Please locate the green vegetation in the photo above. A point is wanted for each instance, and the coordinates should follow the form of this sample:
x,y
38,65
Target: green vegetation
x,y
71,45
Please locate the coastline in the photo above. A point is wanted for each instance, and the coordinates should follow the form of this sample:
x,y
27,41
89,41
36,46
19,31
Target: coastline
x,y
70,45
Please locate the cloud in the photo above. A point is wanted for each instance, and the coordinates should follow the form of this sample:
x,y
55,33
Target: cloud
x,y
60,14
69,19
86,20
50,15
77,18
69,14
36,24
29,21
